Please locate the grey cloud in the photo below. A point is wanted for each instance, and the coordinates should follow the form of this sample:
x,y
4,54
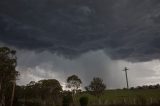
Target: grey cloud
x,y
125,29
35,66
44,65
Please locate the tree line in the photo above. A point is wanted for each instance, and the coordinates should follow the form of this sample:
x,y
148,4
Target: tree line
x,y
156,86
49,91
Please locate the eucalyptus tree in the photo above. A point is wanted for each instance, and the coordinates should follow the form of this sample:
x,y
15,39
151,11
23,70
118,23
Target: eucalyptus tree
x,y
74,83
8,74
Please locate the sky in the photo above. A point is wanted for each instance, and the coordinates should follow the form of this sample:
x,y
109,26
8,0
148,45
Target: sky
x,y
89,38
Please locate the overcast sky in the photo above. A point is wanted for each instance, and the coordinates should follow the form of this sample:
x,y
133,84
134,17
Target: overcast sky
x,y
89,38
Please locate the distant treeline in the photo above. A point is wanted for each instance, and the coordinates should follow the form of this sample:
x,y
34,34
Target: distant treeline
x,y
156,86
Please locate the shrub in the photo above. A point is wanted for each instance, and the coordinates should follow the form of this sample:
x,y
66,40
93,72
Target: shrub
x,y
67,100
83,101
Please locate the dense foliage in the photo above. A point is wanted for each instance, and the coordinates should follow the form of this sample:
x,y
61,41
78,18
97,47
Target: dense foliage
x,y
8,74
45,91
67,98
96,87
83,101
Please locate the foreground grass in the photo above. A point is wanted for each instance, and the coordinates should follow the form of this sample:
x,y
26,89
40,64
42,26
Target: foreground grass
x,y
145,96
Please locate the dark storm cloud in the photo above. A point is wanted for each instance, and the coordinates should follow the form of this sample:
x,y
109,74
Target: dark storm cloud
x,y
125,29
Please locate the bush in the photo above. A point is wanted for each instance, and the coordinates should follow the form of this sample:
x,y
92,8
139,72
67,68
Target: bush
x,y
83,101
67,100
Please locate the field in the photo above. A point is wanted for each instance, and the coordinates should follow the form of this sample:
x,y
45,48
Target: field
x,y
145,96
138,97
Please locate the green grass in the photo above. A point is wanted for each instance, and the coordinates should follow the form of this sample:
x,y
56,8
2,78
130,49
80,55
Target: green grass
x,y
112,94
129,95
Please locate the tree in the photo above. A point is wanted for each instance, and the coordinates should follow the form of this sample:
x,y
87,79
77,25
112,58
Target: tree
x,y
43,92
74,83
8,74
96,87
50,90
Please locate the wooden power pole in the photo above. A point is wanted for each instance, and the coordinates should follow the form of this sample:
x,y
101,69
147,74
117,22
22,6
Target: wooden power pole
x,y
126,69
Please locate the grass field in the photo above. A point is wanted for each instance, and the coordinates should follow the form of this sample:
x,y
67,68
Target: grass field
x,y
145,96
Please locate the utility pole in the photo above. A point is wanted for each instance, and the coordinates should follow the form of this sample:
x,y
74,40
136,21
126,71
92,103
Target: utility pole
x,y
126,69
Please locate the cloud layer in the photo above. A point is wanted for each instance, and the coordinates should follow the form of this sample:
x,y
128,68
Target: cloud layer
x,y
44,65
125,29
98,37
